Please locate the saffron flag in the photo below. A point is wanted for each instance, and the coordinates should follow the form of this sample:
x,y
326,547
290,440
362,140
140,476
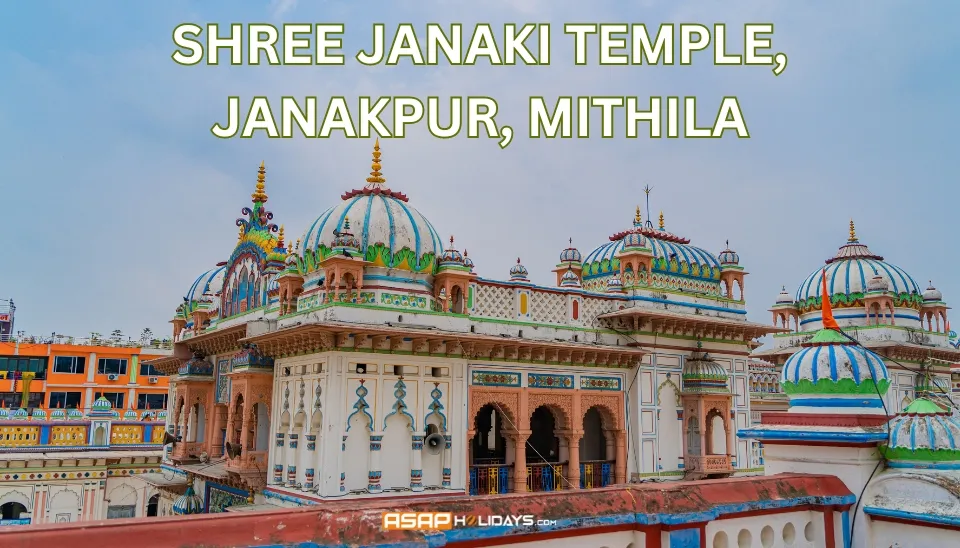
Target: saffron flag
x,y
826,311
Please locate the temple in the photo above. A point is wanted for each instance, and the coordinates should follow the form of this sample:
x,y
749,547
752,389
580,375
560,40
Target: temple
x,y
367,367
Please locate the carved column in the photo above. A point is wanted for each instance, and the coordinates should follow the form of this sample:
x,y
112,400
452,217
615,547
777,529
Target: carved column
x,y
291,459
520,461
447,459
620,467
309,472
343,475
573,476
278,460
416,469
374,473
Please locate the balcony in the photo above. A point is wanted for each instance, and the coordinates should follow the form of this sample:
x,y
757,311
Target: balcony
x,y
490,478
696,467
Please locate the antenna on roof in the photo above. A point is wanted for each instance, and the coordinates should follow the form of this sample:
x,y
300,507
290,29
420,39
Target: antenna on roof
x,y
646,191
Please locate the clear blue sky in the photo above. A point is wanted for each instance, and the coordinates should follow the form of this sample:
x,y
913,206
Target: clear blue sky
x,y
116,194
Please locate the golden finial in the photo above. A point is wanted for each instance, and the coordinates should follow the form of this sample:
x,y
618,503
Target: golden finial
x,y
853,232
637,219
297,247
280,239
661,219
346,223
240,235
260,194
376,178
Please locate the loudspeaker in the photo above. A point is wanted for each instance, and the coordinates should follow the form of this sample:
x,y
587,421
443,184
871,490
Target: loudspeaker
x,y
169,438
232,450
434,443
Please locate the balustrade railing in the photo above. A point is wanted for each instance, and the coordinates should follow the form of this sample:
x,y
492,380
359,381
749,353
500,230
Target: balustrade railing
x,y
708,464
546,476
490,479
596,473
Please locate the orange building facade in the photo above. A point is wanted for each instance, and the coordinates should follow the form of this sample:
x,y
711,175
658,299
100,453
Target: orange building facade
x,y
70,376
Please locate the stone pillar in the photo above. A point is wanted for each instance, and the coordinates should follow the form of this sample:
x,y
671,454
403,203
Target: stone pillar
x,y
374,473
292,460
278,460
245,419
309,471
573,475
620,466
447,459
416,469
520,461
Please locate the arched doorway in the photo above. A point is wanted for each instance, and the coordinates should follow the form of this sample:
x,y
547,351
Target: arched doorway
x,y
716,433
545,471
152,504
489,470
13,510
597,455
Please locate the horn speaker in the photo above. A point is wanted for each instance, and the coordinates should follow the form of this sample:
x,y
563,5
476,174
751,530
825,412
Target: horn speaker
x,y
232,450
434,443
169,438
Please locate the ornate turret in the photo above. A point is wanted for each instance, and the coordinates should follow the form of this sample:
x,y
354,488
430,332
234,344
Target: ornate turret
x,y
924,435
467,261
570,260
731,273
451,258
452,281
189,502
636,256
518,272
933,311
570,279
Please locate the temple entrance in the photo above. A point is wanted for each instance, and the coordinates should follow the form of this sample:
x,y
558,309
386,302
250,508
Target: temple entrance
x,y
152,504
597,453
13,510
489,470
544,468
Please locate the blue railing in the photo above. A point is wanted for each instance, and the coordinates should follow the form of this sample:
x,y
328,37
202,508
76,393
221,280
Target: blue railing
x,y
490,479
596,473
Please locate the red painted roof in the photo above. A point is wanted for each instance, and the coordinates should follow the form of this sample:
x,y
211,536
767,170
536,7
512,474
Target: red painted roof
x,y
358,522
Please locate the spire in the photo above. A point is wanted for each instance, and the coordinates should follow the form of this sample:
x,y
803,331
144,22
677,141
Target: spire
x,y
451,242
661,219
571,242
853,232
297,247
638,219
826,310
346,223
260,194
375,178
280,238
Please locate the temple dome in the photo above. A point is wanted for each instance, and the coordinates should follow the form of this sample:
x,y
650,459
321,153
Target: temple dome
x,y
390,232
451,256
518,272
784,297
467,261
569,279
729,257
701,374
692,262
850,273
932,294
188,503
208,283
878,284
832,366
571,254
924,433
614,285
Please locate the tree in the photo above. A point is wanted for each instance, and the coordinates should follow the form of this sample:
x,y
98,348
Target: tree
x,y
116,335
146,336
94,337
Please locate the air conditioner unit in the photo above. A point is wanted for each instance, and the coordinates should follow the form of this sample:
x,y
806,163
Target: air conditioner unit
x,y
154,380
112,377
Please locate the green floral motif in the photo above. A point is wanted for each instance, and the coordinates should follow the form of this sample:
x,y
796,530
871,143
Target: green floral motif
x,y
855,300
921,455
495,378
405,301
843,386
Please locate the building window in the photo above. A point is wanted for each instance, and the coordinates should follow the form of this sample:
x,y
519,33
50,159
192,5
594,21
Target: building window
x,y
149,371
112,366
16,364
68,364
115,398
64,400
151,401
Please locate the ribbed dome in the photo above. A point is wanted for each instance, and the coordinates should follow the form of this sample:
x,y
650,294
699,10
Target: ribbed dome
x,y
518,272
450,256
467,261
129,415
691,260
570,254
729,256
932,294
923,433
58,414
101,408
39,414
390,233
570,279
701,374
75,413
878,284
614,285
832,365
210,282
784,297
188,503
634,240
849,272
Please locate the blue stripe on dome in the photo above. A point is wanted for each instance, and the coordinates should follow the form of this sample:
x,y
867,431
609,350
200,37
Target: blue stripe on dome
x,y
896,432
310,233
413,224
366,226
853,359
913,434
815,367
930,435
319,230
437,241
946,431
386,207
204,279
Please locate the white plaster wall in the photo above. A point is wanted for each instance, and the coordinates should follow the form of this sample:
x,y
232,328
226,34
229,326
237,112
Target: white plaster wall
x,y
65,503
335,374
884,534
620,539
852,465
124,491
787,530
